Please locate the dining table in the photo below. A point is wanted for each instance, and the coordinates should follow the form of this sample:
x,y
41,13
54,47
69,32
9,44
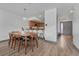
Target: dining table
x,y
19,34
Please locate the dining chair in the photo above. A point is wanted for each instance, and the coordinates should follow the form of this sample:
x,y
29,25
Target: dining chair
x,y
34,37
30,38
24,40
27,39
11,40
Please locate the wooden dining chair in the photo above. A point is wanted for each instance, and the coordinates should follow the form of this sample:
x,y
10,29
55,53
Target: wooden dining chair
x,y
24,39
34,37
36,40
11,40
27,39
30,39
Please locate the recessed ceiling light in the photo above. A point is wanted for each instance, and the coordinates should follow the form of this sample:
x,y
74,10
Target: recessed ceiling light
x,y
71,11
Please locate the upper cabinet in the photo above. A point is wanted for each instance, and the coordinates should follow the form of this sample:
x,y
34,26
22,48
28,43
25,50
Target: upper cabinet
x,y
36,24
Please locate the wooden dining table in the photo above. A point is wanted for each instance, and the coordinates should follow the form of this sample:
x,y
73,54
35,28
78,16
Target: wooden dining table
x,y
19,34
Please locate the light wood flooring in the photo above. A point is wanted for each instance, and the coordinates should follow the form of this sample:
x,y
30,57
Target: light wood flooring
x,y
63,47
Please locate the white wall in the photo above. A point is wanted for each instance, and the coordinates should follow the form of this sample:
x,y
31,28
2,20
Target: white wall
x,y
9,22
51,28
76,26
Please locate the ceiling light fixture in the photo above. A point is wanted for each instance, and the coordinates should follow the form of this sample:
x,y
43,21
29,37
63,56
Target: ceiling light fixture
x,y
24,17
72,10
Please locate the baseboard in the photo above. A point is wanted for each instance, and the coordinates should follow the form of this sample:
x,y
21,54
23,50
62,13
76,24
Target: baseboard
x,y
75,47
51,42
4,40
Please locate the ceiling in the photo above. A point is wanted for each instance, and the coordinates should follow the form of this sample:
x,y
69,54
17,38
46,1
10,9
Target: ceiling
x,y
34,9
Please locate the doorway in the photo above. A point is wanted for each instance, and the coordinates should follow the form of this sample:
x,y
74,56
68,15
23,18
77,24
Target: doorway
x,y
66,28
66,33
61,27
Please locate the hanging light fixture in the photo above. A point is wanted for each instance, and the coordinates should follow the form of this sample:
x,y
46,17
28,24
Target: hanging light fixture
x,y
25,11
71,11
24,18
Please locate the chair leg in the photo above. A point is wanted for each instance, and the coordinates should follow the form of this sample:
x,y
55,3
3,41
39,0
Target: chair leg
x,y
18,44
25,45
36,42
31,43
14,43
9,42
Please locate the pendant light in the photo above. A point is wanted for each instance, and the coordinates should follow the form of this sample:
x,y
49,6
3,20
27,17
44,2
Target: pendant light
x,y
24,18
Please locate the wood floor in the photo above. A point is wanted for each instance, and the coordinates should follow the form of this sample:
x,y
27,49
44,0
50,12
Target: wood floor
x,y
63,47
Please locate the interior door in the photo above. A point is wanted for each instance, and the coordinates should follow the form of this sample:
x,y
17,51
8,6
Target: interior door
x,y
50,28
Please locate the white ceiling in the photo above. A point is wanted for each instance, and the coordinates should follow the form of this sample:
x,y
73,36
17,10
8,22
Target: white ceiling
x,y
36,8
